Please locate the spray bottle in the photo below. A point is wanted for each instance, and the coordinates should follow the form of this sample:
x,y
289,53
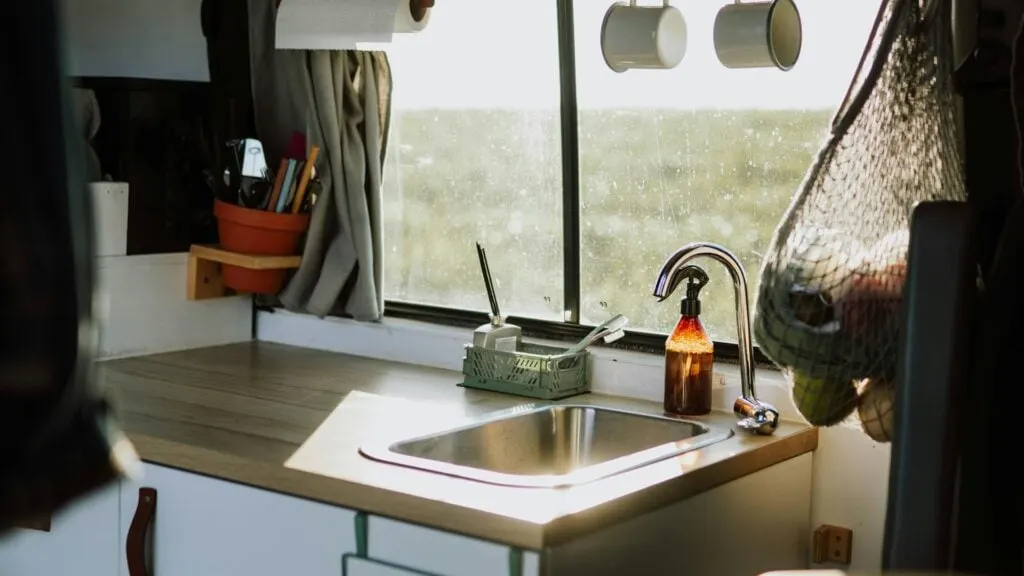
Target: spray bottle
x,y
689,353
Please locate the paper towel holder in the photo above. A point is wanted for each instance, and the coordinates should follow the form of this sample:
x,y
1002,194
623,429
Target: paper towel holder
x,y
418,8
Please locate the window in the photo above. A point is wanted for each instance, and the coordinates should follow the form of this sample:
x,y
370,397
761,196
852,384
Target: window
x,y
474,154
665,157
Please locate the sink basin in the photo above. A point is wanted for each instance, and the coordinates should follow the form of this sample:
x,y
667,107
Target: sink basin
x,y
549,446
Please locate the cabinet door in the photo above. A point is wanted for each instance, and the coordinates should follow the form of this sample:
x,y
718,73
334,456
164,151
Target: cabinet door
x,y
436,552
208,527
82,541
355,566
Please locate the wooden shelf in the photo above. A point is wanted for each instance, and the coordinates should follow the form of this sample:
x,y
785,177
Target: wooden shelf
x,y
204,269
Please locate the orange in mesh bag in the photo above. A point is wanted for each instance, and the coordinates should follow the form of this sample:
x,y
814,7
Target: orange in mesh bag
x,y
828,308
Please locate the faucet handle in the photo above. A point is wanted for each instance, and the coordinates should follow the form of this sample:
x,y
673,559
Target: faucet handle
x,y
756,416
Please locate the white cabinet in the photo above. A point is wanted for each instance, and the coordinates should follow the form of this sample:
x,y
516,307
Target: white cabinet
x,y
136,39
202,526
436,552
531,564
82,541
208,527
355,566
753,525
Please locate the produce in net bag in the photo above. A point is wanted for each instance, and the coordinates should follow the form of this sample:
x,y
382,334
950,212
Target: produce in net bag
x,y
828,309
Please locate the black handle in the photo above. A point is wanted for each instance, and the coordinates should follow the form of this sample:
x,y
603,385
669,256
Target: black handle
x,y
485,269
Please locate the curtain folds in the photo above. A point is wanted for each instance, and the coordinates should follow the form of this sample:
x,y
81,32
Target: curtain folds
x,y
341,100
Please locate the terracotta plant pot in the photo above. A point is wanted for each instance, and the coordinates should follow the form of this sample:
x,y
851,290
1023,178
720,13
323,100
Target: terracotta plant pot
x,y
260,233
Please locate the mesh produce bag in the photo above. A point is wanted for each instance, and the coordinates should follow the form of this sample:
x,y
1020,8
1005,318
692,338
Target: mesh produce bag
x,y
831,281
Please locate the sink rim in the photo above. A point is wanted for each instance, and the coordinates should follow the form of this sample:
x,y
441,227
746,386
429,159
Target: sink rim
x,y
380,450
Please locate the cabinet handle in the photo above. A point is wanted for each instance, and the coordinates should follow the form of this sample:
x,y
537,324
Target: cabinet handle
x,y
135,548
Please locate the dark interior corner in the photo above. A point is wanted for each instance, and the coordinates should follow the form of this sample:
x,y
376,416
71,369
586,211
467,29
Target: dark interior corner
x,y
165,138
157,136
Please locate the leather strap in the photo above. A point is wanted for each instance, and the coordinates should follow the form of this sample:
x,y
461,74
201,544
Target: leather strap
x,y
135,547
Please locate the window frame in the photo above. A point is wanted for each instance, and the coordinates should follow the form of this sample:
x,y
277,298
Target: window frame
x,y
570,329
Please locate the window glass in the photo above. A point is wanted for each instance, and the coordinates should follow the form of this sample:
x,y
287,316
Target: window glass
x,y
475,155
699,152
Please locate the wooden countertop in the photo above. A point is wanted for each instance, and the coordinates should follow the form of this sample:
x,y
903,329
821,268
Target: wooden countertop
x,y
291,420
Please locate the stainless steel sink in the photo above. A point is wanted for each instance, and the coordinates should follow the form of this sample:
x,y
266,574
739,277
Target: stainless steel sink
x,y
549,446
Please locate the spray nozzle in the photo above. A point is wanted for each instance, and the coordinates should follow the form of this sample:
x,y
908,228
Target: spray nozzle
x,y
696,278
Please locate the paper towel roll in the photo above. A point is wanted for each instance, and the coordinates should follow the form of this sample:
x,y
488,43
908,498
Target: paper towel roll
x,y
405,22
344,24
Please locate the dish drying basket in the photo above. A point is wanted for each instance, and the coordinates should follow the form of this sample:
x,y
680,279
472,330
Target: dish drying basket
x,y
534,370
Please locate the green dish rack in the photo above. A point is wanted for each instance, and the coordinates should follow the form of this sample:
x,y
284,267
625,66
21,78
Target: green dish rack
x,y
534,370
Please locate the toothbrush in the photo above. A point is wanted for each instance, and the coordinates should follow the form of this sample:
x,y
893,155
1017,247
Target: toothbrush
x,y
611,330
488,283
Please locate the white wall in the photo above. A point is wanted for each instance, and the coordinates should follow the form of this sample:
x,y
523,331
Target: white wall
x,y
144,309
156,39
851,483
850,471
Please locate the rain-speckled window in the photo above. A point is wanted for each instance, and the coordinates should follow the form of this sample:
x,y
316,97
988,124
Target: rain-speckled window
x,y
665,157
474,154
699,152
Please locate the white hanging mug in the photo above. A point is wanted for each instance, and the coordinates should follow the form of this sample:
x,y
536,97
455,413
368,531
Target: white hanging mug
x,y
758,35
652,37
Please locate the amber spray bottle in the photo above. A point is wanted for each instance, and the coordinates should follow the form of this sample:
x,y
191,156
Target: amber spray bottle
x,y
689,353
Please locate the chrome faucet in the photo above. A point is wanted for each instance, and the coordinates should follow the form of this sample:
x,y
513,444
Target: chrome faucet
x,y
755,415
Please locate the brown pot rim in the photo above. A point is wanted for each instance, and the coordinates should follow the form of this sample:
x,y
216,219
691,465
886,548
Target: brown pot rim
x,y
287,222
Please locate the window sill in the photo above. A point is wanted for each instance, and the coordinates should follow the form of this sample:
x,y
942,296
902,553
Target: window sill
x,y
557,332
617,372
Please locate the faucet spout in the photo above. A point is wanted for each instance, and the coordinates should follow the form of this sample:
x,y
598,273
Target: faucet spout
x,y
755,415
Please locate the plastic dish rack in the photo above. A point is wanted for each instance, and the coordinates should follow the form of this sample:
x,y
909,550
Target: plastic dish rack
x,y
536,371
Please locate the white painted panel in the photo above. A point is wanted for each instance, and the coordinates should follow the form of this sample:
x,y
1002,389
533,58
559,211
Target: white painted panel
x,y
355,566
156,39
851,489
745,527
436,346
147,311
82,540
434,551
209,527
364,567
531,564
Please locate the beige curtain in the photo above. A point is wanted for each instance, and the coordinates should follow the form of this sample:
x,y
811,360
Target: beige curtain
x,y
342,101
